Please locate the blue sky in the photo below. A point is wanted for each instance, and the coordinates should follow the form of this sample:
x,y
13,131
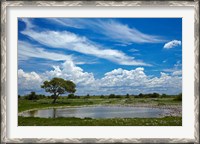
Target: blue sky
x,y
102,56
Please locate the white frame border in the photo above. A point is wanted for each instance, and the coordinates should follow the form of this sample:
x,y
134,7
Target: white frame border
x,y
4,139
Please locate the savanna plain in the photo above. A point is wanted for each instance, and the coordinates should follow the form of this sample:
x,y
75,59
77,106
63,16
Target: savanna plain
x,y
31,102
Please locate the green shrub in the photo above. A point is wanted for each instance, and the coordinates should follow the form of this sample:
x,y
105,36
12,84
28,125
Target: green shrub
x,y
71,96
102,96
127,96
33,96
178,98
111,96
114,96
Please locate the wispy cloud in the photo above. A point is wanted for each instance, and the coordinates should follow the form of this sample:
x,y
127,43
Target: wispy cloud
x,y
172,44
67,22
125,34
176,70
164,61
28,22
27,50
73,42
112,29
133,50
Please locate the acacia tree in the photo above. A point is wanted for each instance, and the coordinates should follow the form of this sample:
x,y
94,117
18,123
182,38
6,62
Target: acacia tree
x,y
58,86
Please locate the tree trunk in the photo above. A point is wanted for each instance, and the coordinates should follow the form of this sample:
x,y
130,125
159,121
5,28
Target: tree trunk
x,y
55,97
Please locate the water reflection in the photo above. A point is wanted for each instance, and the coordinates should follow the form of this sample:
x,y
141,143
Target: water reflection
x,y
33,113
54,113
97,112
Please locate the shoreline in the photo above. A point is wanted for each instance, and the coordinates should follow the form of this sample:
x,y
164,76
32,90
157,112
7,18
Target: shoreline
x,y
174,110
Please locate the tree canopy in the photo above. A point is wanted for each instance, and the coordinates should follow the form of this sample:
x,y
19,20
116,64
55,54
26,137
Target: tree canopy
x,y
58,86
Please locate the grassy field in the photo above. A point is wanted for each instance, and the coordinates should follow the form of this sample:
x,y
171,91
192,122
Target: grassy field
x,y
24,105
166,121
64,101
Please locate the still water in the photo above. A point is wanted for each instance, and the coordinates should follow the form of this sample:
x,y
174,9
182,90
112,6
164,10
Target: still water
x,y
97,112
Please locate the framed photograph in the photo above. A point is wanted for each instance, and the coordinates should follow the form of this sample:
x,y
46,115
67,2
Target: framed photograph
x,y
100,71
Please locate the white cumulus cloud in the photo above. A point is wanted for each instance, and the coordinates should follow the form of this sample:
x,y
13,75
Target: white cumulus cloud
x,y
31,81
121,77
178,72
118,81
68,70
172,44
28,81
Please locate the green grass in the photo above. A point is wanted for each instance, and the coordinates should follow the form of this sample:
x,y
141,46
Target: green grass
x,y
24,105
45,103
63,101
166,121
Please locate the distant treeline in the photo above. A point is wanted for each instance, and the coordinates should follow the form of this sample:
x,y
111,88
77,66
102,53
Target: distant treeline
x,y
34,96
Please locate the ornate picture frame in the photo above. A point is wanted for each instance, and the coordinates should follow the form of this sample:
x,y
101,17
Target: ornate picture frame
x,y
4,60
